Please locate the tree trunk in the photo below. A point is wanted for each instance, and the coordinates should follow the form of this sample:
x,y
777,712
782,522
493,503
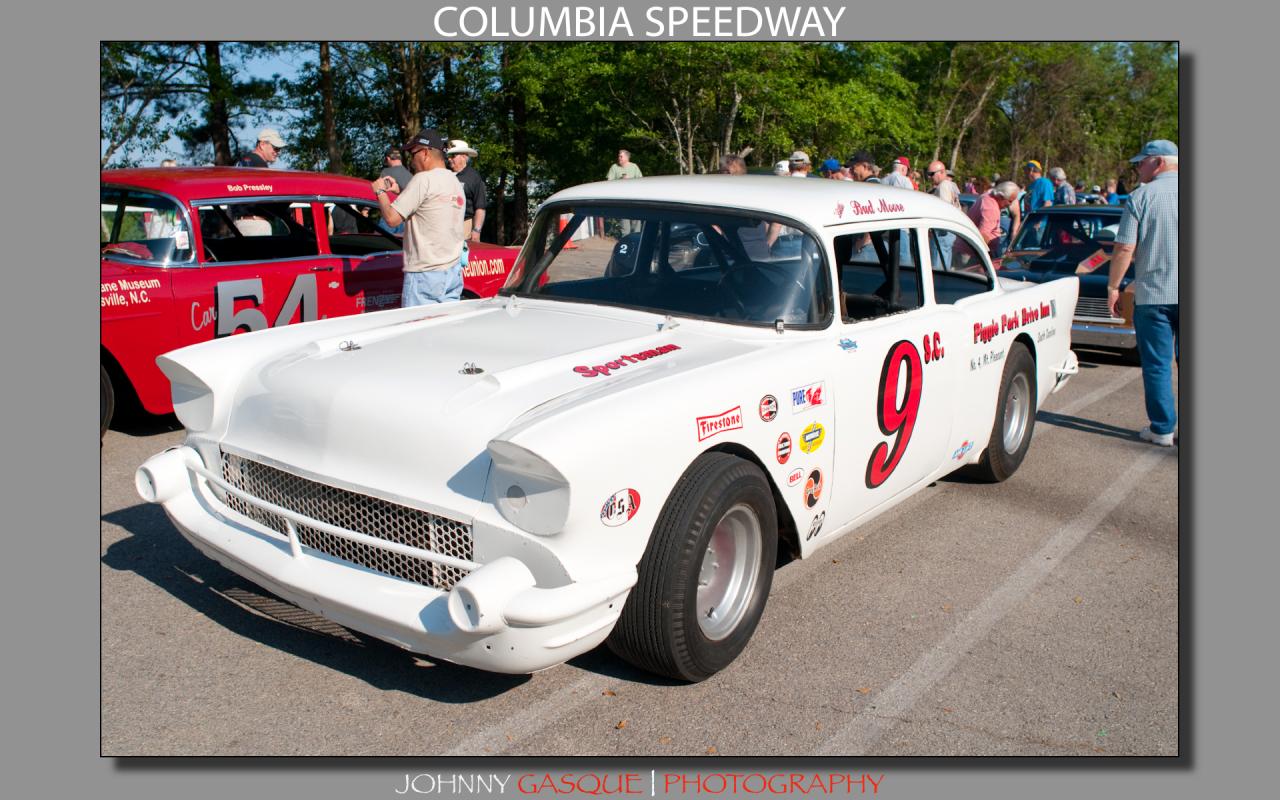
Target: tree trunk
x,y
520,153
326,105
219,122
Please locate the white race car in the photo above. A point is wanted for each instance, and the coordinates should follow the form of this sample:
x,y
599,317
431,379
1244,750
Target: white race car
x,y
618,445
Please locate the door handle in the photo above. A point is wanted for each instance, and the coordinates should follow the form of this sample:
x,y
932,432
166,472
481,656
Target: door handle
x,y
322,269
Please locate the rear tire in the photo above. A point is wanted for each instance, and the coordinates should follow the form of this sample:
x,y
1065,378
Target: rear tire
x,y
106,400
705,574
1015,418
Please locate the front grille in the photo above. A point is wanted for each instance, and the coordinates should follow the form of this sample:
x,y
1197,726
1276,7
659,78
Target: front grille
x,y
356,512
1094,308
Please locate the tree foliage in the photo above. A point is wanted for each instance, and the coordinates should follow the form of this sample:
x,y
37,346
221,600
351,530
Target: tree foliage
x,y
550,114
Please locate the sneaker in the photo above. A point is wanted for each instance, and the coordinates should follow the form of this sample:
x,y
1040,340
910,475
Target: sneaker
x,y
1161,439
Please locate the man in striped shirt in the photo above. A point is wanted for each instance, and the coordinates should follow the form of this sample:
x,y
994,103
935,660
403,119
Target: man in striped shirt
x,y
1148,237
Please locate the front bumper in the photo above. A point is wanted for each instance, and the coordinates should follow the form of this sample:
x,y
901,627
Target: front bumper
x,y
495,618
1093,334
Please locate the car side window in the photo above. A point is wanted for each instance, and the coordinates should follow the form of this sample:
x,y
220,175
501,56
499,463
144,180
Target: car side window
x,y
144,227
956,274
879,273
257,231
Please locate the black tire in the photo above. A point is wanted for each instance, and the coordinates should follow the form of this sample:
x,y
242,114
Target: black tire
x,y
662,628
106,400
1015,418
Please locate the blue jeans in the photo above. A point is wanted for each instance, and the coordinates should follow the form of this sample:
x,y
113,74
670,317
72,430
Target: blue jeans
x,y
435,286
1159,345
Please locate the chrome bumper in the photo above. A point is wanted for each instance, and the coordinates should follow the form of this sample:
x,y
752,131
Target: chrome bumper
x,y
1096,335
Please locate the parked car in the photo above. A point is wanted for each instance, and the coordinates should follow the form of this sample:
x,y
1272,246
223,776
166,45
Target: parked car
x,y
617,446
1078,240
190,255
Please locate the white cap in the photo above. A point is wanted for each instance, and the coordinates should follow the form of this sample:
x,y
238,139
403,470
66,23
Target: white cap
x,y
271,136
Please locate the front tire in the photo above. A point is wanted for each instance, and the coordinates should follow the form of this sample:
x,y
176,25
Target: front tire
x,y
1015,417
106,400
705,574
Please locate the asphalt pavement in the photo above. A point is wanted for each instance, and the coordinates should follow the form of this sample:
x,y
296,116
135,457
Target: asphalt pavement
x,y
1034,617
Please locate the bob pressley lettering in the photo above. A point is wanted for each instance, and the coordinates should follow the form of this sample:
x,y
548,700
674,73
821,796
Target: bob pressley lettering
x,y
986,332
622,361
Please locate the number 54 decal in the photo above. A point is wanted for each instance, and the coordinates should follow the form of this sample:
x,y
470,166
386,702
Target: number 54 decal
x,y
302,298
899,420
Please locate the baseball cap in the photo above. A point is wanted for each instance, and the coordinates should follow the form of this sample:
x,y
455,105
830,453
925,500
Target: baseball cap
x,y
427,137
457,146
782,167
860,157
904,161
271,136
1156,147
800,157
1035,165
392,151
830,165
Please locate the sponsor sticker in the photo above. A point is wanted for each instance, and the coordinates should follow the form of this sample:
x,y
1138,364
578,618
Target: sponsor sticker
x,y
962,450
848,345
719,423
812,437
816,526
804,398
768,407
795,477
813,488
784,448
620,508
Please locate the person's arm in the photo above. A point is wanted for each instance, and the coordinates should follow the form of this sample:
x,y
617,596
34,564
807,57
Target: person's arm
x,y
1120,259
1015,221
477,222
380,188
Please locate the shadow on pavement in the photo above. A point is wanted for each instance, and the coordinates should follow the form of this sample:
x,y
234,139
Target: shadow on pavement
x,y
1086,426
154,550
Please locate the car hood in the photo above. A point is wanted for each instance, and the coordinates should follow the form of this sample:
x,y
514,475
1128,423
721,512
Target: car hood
x,y
410,406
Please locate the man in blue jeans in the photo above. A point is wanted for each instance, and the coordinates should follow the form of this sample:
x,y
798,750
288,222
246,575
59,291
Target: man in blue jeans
x,y
1148,236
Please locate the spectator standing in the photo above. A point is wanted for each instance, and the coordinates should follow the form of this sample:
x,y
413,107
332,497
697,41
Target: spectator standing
x,y
782,168
1063,194
431,207
985,214
624,170
971,185
168,162
941,242
393,167
862,166
1148,237
266,152
459,156
831,169
799,164
1112,195
1039,188
733,164
897,176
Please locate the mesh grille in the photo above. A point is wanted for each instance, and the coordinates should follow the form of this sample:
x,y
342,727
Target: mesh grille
x,y
1093,308
356,512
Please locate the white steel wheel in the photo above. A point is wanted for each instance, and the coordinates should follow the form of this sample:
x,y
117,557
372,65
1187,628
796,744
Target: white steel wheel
x,y
729,571
705,574
1015,417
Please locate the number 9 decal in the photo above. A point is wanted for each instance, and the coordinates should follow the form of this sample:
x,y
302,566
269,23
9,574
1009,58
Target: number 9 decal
x,y
895,420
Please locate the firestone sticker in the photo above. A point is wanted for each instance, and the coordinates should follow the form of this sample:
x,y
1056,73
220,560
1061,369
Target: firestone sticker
x,y
620,508
812,437
719,423
768,408
806,397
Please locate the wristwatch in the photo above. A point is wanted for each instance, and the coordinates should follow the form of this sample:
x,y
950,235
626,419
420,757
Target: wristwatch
x,y
379,192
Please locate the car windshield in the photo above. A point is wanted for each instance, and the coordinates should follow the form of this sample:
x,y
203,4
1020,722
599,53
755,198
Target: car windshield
x,y
1046,231
690,262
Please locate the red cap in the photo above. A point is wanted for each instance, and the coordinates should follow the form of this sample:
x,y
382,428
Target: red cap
x,y
903,161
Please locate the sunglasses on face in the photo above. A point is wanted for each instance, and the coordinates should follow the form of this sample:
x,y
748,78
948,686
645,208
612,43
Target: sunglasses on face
x,y
931,174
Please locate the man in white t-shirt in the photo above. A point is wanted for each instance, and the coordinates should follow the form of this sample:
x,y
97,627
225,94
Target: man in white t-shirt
x,y
432,206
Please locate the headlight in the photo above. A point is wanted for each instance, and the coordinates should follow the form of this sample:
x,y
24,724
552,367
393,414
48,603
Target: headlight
x,y
192,398
527,491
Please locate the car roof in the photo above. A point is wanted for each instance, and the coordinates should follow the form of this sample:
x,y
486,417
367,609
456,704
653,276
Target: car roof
x,y
204,183
821,202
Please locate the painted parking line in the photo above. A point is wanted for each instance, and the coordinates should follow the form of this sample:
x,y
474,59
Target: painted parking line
x,y
895,702
496,738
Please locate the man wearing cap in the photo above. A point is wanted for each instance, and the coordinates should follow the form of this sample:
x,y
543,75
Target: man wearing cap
x,y
942,241
393,167
431,207
782,168
831,169
799,164
862,166
1148,238
898,173
1039,188
460,155
267,151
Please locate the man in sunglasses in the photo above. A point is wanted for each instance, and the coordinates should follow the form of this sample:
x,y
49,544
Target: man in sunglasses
x,y
431,206
270,144
941,241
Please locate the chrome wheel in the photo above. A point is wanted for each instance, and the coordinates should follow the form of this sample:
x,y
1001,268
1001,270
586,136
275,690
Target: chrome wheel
x,y
729,571
1017,411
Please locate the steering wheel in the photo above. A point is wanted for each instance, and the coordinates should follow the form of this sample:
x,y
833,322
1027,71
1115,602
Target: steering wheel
x,y
208,254
739,277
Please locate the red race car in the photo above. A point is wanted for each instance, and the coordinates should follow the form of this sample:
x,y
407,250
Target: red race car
x,y
195,254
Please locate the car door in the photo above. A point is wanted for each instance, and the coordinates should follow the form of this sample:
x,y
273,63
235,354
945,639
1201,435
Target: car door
x,y
260,266
369,258
892,406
